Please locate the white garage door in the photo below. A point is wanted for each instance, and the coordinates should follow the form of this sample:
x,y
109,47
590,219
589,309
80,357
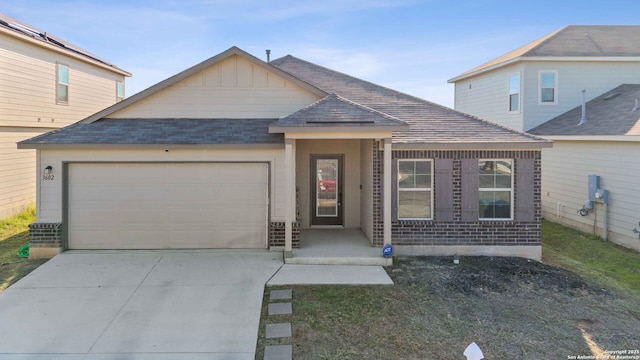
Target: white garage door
x,y
167,205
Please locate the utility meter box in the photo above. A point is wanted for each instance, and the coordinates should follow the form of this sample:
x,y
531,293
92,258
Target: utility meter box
x,y
594,185
602,195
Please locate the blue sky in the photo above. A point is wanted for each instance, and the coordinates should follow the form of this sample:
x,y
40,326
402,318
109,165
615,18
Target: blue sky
x,y
409,45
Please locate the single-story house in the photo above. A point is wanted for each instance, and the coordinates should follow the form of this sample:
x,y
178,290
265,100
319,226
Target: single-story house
x,y
604,140
236,152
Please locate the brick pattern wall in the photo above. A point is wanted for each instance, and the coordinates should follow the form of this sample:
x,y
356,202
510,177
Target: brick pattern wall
x,y
276,234
458,232
45,235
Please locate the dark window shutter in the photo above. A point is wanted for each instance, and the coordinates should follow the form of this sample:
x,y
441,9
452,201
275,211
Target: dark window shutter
x,y
444,189
470,184
394,189
525,199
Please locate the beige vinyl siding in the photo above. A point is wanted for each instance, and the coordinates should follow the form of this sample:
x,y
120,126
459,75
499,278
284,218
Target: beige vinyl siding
x,y
351,190
233,88
488,96
366,179
49,202
28,82
565,168
17,171
595,77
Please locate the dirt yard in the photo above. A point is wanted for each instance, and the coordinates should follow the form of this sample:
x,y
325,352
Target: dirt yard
x,y
512,308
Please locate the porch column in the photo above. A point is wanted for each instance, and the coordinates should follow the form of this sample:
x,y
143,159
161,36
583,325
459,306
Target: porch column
x,y
288,198
386,201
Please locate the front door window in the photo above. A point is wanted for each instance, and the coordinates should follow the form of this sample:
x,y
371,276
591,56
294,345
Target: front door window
x,y
327,177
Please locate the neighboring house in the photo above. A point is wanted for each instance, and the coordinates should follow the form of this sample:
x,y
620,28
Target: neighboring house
x,y
545,78
608,145
236,152
45,83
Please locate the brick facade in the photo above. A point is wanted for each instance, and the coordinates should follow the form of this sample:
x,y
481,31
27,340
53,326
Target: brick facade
x,y
276,234
458,232
46,235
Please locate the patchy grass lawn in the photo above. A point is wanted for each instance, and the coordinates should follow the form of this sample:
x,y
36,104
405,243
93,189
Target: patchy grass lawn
x,y
606,263
512,308
14,232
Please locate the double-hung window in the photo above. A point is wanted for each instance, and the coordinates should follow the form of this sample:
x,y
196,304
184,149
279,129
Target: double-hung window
x,y
62,83
514,93
119,91
496,188
548,87
415,184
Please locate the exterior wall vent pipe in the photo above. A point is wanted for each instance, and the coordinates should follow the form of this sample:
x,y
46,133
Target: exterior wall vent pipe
x,y
583,119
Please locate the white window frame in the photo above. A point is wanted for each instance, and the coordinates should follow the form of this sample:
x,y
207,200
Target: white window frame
x,y
430,189
511,189
120,98
555,87
510,93
58,83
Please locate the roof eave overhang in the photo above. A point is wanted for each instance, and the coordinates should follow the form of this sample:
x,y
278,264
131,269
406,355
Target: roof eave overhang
x,y
545,58
162,147
625,138
64,52
537,145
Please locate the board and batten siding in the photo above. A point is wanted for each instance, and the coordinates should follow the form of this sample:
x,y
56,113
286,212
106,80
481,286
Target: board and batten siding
x,y
565,169
233,88
50,196
487,96
28,83
573,77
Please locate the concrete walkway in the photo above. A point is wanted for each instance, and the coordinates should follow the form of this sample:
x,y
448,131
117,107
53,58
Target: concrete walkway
x,y
138,305
291,274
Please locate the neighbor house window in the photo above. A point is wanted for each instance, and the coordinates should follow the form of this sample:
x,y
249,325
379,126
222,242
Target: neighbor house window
x,y
119,91
548,81
514,93
62,83
415,184
496,188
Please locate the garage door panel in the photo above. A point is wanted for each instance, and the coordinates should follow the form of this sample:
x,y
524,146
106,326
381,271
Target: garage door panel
x,y
143,239
234,194
172,205
185,195
240,215
96,219
194,216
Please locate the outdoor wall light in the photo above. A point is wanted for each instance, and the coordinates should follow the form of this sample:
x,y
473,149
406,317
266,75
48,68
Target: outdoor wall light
x,y
48,169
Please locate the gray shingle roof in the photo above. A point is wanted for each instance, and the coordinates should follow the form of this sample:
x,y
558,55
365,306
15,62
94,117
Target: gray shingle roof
x,y
608,114
572,41
348,101
334,110
163,131
429,122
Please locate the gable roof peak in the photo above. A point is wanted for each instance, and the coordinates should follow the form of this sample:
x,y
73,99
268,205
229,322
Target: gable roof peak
x,y
571,41
234,50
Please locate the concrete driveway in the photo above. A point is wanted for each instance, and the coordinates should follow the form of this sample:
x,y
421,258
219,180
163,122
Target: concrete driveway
x,y
138,305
